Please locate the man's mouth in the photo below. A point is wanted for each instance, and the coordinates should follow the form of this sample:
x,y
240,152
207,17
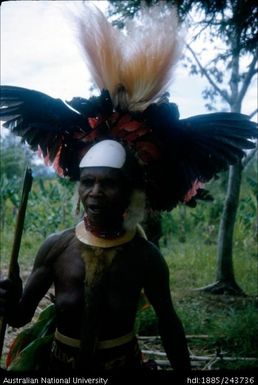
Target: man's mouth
x,y
94,209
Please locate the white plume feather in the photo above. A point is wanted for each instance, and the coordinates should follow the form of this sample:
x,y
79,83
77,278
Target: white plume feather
x,y
135,67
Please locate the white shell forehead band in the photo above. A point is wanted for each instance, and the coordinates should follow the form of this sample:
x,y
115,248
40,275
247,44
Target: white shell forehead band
x,y
107,153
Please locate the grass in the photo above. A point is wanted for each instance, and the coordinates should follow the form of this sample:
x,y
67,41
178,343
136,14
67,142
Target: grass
x,y
193,263
231,323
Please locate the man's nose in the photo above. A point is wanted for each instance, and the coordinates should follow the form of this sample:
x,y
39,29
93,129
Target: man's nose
x,y
96,189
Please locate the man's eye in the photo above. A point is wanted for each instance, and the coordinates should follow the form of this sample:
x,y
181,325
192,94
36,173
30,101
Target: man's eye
x,y
87,182
108,183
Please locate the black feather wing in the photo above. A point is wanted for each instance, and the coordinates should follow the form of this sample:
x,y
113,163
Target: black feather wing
x,y
194,150
211,143
24,109
46,123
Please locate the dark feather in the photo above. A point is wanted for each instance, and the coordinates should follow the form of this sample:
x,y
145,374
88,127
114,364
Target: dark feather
x,y
35,107
96,106
195,149
49,123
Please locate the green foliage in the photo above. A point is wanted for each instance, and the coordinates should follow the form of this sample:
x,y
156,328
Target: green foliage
x,y
238,323
193,262
32,345
146,323
50,209
230,324
50,206
14,157
205,217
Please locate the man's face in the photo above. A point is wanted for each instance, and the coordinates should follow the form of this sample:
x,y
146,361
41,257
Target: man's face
x,y
103,193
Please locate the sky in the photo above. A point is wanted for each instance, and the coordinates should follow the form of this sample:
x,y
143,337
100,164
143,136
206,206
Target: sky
x,y
38,51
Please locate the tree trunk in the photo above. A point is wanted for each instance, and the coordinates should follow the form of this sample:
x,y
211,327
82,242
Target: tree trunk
x,y
225,271
225,278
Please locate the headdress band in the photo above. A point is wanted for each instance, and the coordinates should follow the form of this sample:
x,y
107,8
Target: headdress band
x,y
107,153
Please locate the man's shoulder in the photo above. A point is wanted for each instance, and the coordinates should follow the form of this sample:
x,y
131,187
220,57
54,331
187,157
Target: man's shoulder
x,y
147,246
61,236
57,242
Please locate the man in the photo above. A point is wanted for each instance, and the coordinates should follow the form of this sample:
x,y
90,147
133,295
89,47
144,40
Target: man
x,y
99,270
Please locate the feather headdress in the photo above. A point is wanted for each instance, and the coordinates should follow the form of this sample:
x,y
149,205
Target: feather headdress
x,y
132,70
134,65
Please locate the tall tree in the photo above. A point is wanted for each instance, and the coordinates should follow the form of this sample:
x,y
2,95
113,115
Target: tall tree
x,y
230,25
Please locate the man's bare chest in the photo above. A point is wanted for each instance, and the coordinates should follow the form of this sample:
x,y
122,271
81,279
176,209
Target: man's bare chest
x,y
80,265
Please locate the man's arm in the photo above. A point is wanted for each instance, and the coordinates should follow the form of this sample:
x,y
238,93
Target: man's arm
x,y
20,311
158,292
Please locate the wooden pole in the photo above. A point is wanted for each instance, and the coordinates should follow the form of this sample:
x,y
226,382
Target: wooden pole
x,y
27,183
